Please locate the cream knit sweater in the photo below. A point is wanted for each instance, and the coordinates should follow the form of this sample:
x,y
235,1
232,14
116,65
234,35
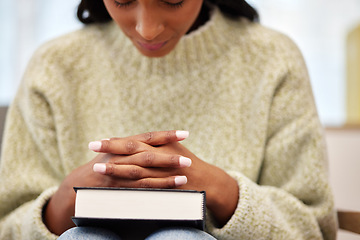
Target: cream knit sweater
x,y
240,89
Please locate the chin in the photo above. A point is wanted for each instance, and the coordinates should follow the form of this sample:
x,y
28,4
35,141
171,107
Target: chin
x,y
154,54
165,50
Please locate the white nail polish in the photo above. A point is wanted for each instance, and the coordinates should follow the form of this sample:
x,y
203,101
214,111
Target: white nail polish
x,y
181,135
180,180
95,146
184,162
99,168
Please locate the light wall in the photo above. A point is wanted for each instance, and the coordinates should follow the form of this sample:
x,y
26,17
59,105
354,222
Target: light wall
x,y
24,26
320,28
344,166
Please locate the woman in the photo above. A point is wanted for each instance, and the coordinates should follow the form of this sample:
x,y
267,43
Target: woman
x,y
241,90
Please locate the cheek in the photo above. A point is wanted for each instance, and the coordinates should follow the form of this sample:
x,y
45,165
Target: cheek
x,y
122,18
126,24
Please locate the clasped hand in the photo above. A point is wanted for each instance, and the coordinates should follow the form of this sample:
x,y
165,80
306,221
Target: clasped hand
x,y
149,160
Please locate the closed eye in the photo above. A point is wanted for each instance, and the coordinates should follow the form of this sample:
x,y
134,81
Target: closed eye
x,y
174,4
123,4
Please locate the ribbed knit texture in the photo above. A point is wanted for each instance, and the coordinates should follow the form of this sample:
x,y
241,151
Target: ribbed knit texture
x,y
240,89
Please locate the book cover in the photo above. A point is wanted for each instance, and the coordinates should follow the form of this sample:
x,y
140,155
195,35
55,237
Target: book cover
x,y
130,211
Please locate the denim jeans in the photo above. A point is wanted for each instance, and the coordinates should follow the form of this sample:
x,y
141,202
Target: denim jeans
x,y
83,233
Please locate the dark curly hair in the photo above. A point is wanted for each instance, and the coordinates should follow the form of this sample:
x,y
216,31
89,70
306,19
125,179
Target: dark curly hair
x,y
94,11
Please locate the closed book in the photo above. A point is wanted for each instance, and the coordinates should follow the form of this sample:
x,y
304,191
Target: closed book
x,y
139,211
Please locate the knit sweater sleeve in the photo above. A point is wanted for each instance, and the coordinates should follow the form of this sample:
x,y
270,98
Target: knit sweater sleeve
x,y
291,198
29,174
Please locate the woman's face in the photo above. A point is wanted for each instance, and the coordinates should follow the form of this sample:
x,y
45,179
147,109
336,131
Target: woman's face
x,y
154,26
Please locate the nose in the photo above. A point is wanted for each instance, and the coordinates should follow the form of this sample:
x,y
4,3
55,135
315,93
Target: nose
x,y
149,24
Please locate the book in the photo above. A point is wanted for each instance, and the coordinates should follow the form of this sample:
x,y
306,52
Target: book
x,y
137,210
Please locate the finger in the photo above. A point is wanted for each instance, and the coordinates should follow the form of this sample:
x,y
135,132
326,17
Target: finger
x,y
169,182
151,159
164,183
161,137
137,143
131,172
150,138
123,146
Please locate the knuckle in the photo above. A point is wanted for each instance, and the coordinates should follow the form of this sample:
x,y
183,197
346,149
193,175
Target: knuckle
x,y
174,161
135,172
148,158
148,137
130,146
145,183
169,183
169,136
110,169
105,145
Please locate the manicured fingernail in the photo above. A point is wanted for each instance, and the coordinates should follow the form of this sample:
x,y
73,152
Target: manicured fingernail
x,y
181,135
99,168
95,146
180,180
184,162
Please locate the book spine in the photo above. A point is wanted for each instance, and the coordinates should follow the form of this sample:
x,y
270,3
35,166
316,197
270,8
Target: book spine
x,y
203,210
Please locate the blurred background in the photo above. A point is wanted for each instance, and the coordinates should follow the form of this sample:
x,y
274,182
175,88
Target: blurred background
x,y
326,31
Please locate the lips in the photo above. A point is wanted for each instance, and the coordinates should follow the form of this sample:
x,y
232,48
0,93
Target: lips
x,y
152,46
